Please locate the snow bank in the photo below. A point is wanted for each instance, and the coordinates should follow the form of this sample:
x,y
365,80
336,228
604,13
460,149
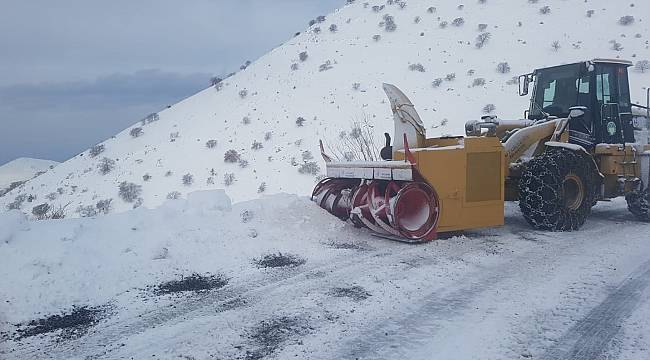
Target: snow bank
x,y
49,266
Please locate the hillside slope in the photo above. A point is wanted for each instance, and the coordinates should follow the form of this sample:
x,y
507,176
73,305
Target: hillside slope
x,y
22,169
339,82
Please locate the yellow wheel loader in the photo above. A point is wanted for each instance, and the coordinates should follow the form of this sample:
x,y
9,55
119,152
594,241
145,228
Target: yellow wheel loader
x,y
581,141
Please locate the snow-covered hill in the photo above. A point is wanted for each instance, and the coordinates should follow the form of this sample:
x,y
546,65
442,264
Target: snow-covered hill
x,y
337,81
22,169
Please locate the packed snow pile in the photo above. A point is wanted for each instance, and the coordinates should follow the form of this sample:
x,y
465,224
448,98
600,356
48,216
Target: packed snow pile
x,y
257,131
16,172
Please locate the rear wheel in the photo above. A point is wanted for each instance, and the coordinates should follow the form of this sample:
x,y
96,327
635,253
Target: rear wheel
x,y
639,204
558,189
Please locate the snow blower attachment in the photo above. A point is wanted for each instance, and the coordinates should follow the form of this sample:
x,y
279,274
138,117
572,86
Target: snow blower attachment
x,y
582,140
441,185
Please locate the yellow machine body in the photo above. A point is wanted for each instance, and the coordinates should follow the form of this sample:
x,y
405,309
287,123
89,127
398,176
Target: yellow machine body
x,y
468,176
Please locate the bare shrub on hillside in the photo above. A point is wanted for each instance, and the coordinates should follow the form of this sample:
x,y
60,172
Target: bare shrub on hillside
x,y
303,56
243,93
320,19
334,28
556,45
376,37
256,145
40,211
450,77
17,203
146,177
458,22
173,136
545,10
300,121
261,188
129,192
437,82
86,211
309,167
389,23
626,20
327,65
295,66
417,67
174,195
136,132
268,135
153,117
106,165
243,163
104,206
503,68
228,179
358,143
642,65
215,81
482,27
188,179
431,10
96,150
590,13
443,24
482,39
478,82
616,46
489,108
231,156
211,144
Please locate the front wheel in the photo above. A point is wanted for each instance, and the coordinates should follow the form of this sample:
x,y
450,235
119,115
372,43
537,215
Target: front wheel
x,y
558,189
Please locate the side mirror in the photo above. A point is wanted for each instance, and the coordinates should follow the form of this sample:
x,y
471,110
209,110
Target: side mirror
x,y
524,83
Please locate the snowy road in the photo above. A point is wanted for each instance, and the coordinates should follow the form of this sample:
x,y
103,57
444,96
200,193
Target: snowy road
x,y
505,293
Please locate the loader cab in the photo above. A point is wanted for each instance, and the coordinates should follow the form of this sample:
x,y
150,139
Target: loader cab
x,y
595,93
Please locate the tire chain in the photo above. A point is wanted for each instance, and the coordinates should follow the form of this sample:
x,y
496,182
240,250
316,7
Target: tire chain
x,y
540,189
639,204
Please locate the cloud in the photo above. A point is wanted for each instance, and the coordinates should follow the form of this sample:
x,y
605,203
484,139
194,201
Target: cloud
x,y
58,120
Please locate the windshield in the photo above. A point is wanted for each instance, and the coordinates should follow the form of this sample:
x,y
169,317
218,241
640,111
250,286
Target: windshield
x,y
557,90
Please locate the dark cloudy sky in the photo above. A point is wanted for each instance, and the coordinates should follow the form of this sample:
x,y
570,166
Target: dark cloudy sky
x,y
74,72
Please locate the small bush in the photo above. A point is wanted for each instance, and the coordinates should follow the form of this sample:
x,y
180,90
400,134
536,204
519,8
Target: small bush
x,y
389,23
642,65
247,216
478,82
169,173
503,68
616,46
376,37
261,188
458,22
303,56
96,150
377,8
246,120
306,155
556,45
417,67
17,203
437,82
228,179
450,77
87,211
443,24
626,20
106,165
482,39
300,121
333,28
174,195
482,27
136,132
320,19
146,177
153,117
215,81
431,10
173,136
545,10
243,163
188,179
256,145
104,206
294,66
489,108
268,135
40,211
243,93
129,192
327,65
211,144
309,167
590,13
231,156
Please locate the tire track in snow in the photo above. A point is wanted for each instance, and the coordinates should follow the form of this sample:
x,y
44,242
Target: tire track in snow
x,y
590,336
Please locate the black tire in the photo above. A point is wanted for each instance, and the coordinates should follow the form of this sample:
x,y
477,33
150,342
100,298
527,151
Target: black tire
x,y
558,189
639,204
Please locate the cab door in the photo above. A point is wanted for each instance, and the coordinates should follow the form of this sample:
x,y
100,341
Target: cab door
x,y
612,106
